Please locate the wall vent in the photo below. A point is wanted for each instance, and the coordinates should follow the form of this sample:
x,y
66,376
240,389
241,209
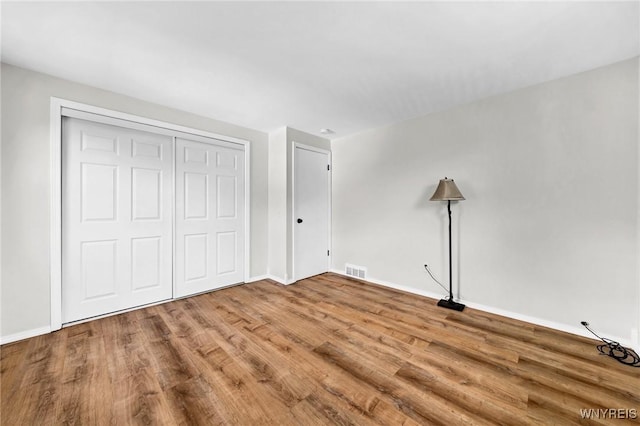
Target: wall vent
x,y
355,271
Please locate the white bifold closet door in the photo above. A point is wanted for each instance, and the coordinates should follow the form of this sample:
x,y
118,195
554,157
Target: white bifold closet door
x,y
209,216
117,218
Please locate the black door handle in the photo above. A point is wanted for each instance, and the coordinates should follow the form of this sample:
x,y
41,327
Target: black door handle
x,y
299,220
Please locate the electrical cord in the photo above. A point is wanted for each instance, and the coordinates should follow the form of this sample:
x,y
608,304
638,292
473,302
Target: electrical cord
x,y
610,348
434,278
615,350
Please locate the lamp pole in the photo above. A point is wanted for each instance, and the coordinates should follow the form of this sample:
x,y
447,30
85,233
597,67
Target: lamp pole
x,y
448,191
450,257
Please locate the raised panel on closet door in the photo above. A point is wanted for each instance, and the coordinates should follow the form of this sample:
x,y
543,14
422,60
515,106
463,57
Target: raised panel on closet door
x,y
146,194
209,216
117,221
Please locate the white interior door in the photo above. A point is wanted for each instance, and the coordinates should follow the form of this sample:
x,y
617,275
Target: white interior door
x,y
117,221
311,212
209,216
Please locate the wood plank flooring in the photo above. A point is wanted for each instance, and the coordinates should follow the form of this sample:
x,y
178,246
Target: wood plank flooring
x,y
327,350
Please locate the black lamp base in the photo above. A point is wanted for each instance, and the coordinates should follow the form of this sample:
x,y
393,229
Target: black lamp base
x,y
450,304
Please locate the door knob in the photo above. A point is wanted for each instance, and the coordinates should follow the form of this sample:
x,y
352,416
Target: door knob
x,y
299,220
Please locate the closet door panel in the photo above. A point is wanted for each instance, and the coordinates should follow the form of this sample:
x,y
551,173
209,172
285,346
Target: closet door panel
x,y
209,216
117,221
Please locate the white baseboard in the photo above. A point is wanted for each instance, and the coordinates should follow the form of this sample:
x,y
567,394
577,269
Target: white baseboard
x,y
279,280
267,277
579,331
24,335
258,278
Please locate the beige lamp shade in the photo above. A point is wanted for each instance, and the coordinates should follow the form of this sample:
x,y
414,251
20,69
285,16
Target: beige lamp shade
x,y
447,191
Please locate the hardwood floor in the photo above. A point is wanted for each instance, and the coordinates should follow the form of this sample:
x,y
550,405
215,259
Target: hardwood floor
x,y
327,350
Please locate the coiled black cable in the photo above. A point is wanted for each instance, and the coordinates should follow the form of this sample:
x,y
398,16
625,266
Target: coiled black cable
x,y
615,350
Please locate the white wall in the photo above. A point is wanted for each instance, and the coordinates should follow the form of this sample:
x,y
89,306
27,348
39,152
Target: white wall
x,y
24,289
278,205
549,227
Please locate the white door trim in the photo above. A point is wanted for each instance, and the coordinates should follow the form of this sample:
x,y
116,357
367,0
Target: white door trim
x,y
297,145
55,235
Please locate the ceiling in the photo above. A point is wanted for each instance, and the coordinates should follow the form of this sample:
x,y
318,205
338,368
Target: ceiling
x,y
347,66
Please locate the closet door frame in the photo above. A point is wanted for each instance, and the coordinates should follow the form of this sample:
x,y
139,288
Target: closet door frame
x,y
62,107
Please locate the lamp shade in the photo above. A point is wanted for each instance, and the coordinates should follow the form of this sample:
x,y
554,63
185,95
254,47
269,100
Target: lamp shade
x,y
447,191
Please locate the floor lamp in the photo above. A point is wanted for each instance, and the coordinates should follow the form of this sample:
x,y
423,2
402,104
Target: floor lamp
x,y
448,191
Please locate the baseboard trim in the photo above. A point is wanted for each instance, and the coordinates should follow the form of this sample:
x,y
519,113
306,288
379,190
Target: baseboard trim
x,y
258,278
24,335
578,331
279,280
